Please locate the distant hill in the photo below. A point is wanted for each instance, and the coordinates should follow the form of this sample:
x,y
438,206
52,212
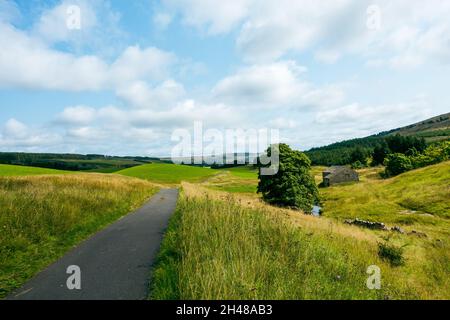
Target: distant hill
x,y
73,162
432,130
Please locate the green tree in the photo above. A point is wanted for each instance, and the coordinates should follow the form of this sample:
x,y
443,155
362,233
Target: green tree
x,y
293,184
358,155
379,153
401,144
397,163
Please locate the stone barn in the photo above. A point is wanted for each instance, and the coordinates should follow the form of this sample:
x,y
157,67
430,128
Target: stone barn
x,y
339,174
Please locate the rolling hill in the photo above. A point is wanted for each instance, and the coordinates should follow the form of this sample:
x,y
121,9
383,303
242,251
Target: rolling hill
x,y
432,130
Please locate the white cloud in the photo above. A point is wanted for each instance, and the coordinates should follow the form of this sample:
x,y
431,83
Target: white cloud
x,y
141,64
79,115
52,25
27,62
17,135
217,16
411,33
275,85
15,129
81,25
140,94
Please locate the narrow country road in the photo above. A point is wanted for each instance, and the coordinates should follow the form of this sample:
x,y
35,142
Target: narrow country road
x,y
114,264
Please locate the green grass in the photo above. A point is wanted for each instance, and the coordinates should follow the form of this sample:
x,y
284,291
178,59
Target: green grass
x,y
222,250
236,188
42,217
104,170
11,170
422,194
247,172
168,173
239,248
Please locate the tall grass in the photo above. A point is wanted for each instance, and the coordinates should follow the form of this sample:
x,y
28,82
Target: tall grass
x,y
41,217
217,249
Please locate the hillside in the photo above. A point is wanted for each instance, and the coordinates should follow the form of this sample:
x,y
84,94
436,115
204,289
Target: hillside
x,y
432,130
73,162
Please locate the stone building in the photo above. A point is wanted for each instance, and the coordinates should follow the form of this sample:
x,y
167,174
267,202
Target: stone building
x,y
339,174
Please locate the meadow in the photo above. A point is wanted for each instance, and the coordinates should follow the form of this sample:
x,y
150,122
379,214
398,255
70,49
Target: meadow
x,y
11,170
43,216
223,245
168,173
224,242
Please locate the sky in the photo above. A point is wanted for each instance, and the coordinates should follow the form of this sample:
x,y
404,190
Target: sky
x,y
120,77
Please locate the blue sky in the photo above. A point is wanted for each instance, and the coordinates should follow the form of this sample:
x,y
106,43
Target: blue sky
x,y
134,71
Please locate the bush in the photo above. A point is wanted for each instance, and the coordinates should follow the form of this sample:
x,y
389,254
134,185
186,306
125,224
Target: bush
x,y
357,165
397,163
435,153
391,253
293,185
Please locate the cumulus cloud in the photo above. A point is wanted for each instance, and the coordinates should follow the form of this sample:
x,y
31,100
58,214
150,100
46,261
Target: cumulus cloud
x,y
217,16
141,94
80,25
28,62
406,33
15,129
275,85
79,115
15,134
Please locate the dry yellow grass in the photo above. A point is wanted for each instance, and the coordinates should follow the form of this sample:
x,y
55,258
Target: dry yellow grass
x,y
293,216
427,266
41,217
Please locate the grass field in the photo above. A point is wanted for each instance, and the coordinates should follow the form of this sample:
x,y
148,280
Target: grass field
x,y
418,198
10,170
42,217
233,246
234,180
168,173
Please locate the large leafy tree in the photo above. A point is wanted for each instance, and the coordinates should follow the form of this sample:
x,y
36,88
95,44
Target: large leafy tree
x,y
293,185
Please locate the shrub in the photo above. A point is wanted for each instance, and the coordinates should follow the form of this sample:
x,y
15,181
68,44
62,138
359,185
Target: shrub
x,y
293,185
397,163
435,153
391,253
357,165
